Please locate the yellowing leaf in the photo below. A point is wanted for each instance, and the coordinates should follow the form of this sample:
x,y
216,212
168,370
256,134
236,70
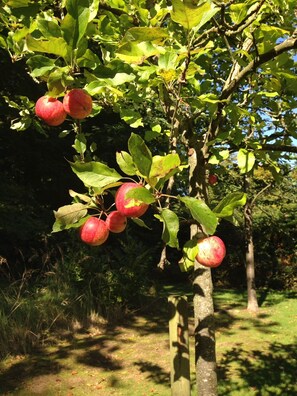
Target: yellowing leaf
x,y
191,15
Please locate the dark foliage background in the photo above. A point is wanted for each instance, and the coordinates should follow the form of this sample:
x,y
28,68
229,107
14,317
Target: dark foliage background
x,y
35,178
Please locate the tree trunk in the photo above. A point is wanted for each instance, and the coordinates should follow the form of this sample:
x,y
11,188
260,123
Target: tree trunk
x,y
205,351
252,301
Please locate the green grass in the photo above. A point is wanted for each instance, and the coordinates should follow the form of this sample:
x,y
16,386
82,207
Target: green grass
x,y
256,353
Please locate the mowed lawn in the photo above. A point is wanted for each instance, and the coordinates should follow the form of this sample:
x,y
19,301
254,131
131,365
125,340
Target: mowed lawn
x,y
257,354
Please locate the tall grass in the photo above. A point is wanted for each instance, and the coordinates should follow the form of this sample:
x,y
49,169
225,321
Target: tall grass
x,y
76,286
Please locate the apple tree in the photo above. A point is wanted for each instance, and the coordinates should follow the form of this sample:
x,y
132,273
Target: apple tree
x,y
209,78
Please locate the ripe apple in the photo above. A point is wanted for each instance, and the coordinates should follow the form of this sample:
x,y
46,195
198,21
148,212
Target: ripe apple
x,y
211,251
116,221
129,207
94,231
212,179
50,110
78,103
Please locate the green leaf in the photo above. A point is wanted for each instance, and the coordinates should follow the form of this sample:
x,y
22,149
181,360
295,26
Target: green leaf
x,y
163,180
68,215
201,213
131,117
140,34
57,81
190,251
139,222
170,227
137,53
75,23
3,43
82,197
246,160
191,15
218,156
80,143
55,46
89,59
40,65
95,174
93,7
49,29
238,12
141,155
140,194
226,206
168,60
18,3
125,162
162,165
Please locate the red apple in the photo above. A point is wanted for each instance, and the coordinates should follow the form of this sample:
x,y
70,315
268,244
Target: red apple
x,y
78,103
212,179
50,110
116,221
129,207
211,251
94,231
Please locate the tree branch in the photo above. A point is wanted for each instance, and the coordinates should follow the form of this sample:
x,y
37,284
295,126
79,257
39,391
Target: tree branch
x,y
232,83
279,147
287,45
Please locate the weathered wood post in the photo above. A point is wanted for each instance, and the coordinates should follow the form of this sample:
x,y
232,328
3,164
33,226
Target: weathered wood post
x,y
179,346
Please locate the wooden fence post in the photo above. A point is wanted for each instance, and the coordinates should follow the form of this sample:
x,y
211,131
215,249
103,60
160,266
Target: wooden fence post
x,y
179,346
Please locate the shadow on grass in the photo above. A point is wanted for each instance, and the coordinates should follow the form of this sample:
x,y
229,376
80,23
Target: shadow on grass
x,y
27,368
96,351
101,351
154,372
269,372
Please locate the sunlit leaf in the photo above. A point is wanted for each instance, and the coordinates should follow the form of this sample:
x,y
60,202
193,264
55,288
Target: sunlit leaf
x,y
82,197
162,165
202,214
95,174
190,250
48,28
140,34
134,52
70,214
125,162
190,15
76,21
138,195
131,117
246,160
55,46
226,206
140,222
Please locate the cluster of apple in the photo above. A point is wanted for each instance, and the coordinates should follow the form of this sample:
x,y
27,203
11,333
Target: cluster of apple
x,y
76,103
95,231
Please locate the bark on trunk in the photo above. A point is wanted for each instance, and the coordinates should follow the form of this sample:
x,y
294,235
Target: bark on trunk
x,y
205,351
252,301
